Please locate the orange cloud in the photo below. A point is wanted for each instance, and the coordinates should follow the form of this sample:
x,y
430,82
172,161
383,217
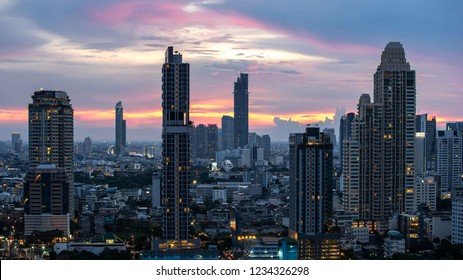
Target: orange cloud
x,y
13,115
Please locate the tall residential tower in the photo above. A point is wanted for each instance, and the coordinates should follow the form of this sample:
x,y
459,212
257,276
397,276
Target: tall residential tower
x,y
176,128
311,194
382,143
49,181
120,128
241,107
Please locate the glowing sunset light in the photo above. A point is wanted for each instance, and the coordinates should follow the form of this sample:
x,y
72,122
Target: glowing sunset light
x,y
303,62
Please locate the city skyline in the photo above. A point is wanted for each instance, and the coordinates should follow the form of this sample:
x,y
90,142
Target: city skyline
x,y
302,67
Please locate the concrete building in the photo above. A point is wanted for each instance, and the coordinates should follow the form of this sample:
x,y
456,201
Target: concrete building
x,y
241,111
120,129
51,134
385,132
16,142
266,145
264,248
425,192
457,221
176,128
361,234
311,186
156,190
47,205
228,130
439,226
420,153
449,163
345,132
427,125
88,146
394,243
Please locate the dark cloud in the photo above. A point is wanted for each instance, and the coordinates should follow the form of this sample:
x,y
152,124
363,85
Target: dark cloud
x,y
106,46
292,72
154,38
235,65
155,45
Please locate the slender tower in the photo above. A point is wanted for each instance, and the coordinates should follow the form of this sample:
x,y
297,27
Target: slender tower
x,y
241,107
175,147
120,128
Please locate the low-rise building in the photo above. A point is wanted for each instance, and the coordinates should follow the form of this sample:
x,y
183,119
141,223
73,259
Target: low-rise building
x,y
394,243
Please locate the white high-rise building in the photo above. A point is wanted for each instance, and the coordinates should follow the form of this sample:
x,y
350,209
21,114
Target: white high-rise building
x,y
425,192
449,163
457,221
385,132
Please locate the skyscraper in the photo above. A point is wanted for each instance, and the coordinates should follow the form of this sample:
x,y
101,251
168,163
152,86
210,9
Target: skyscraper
x,y
212,140
426,125
16,142
311,194
120,128
175,148
449,163
383,136
345,132
228,138
88,146
266,144
51,130
51,144
241,107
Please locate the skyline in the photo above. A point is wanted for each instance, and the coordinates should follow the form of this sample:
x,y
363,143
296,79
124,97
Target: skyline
x,y
305,61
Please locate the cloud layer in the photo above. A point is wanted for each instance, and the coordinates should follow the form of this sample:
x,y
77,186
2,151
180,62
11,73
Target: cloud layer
x,y
304,59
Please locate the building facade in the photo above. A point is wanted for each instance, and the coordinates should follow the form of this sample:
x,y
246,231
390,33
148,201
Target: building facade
x,y
385,132
241,111
345,132
176,126
426,125
457,221
449,163
51,134
311,187
47,206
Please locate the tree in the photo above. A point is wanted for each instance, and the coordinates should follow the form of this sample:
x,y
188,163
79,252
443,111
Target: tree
x,y
348,254
109,254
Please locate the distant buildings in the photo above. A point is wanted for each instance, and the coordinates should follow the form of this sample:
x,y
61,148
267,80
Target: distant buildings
x,y
266,144
84,148
204,141
16,142
228,130
120,129
241,109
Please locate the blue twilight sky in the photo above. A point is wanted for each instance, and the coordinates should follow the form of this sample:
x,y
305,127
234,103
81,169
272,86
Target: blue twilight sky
x,y
307,60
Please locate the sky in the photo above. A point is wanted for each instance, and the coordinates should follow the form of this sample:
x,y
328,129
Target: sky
x,y
308,60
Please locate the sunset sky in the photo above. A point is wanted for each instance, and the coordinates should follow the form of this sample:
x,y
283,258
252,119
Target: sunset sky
x,y
306,59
